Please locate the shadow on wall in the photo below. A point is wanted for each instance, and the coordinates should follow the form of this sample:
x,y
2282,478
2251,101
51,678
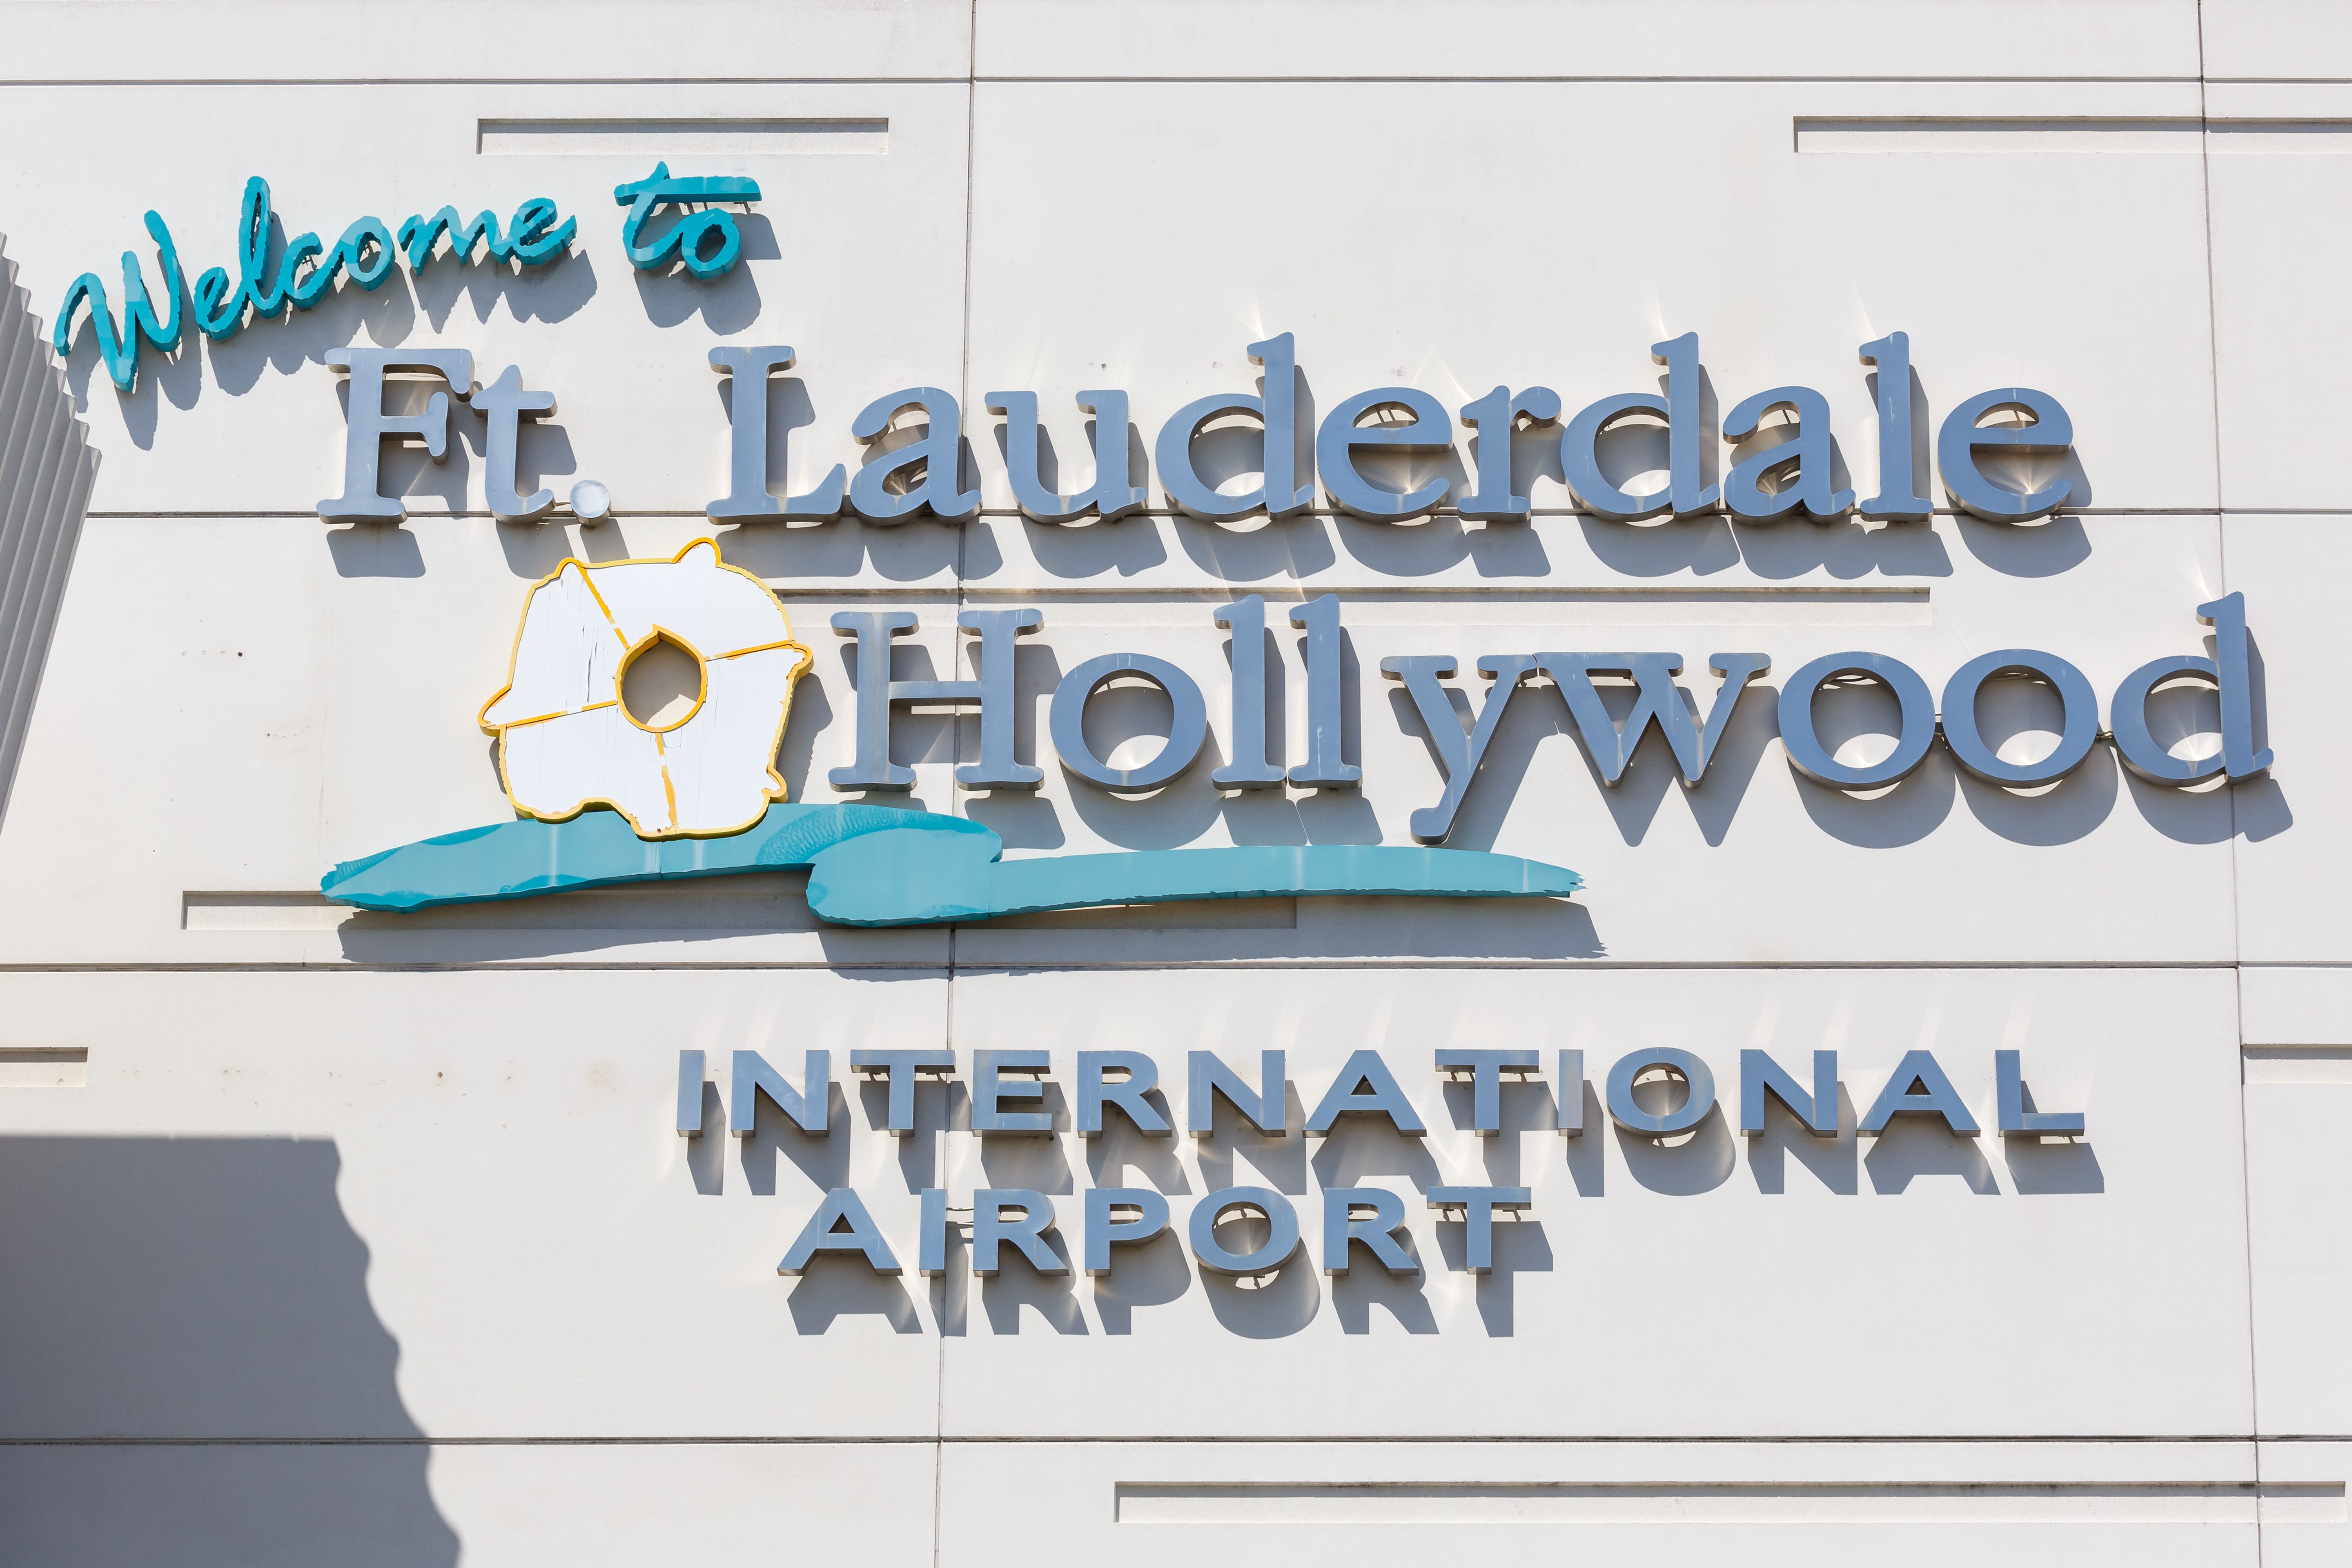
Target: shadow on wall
x,y
201,1289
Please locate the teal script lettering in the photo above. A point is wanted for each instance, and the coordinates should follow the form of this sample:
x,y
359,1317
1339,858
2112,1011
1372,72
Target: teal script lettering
x,y
684,239
365,253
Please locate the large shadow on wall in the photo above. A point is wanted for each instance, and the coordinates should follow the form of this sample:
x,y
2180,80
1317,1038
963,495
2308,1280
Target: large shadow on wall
x,y
204,1289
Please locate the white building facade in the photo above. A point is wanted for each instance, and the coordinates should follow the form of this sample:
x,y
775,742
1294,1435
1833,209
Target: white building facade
x,y
1809,988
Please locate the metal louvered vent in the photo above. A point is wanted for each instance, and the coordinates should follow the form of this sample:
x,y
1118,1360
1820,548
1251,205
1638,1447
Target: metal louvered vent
x,y
47,466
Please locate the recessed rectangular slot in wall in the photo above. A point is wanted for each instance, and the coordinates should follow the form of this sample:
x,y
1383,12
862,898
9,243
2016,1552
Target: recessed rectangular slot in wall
x,y
671,139
1183,914
2298,1064
2273,138
754,901
261,911
2183,134
2189,1502
2053,134
750,903
44,1066
1802,605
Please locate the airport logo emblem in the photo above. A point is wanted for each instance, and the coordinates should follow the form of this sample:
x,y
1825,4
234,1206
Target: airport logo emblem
x,y
703,766
606,792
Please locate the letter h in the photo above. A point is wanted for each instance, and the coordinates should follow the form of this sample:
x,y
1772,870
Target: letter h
x,y
994,692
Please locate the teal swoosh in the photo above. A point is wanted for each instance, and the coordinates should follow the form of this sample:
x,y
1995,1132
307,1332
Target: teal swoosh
x,y
914,879
874,866
597,850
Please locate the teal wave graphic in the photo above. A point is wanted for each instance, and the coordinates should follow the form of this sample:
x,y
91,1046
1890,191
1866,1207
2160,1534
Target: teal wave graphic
x,y
874,866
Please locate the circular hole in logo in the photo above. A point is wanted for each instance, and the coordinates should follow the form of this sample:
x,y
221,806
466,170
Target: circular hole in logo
x,y
661,682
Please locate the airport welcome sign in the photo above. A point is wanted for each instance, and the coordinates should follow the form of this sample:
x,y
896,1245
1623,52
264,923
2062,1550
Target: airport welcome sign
x,y
696,795
604,794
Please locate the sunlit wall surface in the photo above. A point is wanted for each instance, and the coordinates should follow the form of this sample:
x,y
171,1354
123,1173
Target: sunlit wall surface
x,y
370,1239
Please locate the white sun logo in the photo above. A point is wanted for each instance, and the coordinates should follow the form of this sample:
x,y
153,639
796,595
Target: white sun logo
x,y
657,687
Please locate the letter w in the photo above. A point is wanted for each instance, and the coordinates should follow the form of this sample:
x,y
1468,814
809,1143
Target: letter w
x,y
1657,701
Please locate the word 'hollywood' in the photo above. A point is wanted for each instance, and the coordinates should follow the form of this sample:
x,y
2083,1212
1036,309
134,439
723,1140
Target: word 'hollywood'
x,y
1121,1084
1657,702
